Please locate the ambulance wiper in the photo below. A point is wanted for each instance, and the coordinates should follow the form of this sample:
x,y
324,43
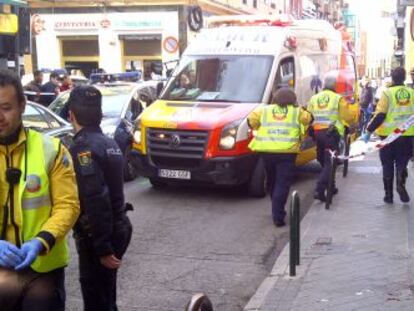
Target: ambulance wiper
x,y
219,101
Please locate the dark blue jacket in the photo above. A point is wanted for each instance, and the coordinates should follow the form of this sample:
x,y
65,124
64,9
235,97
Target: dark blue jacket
x,y
48,87
98,163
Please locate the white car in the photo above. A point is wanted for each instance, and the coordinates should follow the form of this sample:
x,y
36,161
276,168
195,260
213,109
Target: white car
x,y
122,103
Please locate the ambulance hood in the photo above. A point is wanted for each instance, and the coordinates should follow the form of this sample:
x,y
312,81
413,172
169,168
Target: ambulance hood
x,y
195,116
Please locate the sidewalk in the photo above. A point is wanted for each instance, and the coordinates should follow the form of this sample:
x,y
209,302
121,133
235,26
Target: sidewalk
x,y
359,255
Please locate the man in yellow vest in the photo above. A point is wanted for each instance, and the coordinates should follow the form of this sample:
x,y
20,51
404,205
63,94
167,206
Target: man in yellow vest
x,y
394,108
40,205
330,111
279,127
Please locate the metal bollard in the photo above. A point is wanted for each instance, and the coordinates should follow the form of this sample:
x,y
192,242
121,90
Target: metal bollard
x,y
331,182
294,251
199,302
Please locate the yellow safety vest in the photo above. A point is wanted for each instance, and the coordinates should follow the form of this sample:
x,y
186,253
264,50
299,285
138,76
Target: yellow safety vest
x,y
401,107
325,109
34,194
279,130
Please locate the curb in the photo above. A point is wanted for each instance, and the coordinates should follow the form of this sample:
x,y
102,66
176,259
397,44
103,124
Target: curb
x,y
280,270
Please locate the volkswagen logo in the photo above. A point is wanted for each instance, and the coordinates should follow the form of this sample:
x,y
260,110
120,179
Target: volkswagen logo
x,y
175,141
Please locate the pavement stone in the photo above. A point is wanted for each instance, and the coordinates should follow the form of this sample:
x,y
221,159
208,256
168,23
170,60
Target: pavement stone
x,y
359,255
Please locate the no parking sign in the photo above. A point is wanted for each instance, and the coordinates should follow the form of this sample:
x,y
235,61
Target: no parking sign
x,y
170,44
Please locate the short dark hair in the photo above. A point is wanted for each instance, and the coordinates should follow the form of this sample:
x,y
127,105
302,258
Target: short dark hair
x,y
398,75
85,102
87,115
7,78
53,75
37,73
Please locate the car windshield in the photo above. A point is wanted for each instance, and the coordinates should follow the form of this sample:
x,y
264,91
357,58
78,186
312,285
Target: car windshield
x,y
114,99
224,78
112,104
32,118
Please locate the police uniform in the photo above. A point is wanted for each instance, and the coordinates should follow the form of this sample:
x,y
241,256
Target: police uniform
x,y
103,227
394,108
280,127
330,111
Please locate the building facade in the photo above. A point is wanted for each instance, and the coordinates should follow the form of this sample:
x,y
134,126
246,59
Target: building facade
x,y
123,36
404,51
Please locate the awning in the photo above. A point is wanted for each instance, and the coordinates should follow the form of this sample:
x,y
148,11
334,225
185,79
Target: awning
x,y
14,2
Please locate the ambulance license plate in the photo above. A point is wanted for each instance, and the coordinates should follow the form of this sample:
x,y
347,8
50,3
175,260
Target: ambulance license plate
x,y
176,174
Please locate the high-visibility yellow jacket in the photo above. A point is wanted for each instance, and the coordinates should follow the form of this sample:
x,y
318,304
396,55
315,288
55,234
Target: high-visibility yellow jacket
x,y
279,129
329,108
44,204
397,103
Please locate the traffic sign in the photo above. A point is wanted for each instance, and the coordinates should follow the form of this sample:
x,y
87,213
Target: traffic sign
x,y
170,44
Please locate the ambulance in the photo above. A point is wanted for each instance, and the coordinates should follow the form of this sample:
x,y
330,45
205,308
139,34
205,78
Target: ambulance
x,y
197,132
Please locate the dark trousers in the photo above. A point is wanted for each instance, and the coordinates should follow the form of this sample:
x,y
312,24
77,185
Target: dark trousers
x,y
325,141
396,155
28,290
98,284
280,170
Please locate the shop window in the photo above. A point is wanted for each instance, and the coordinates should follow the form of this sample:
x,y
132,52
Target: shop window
x,y
80,47
142,46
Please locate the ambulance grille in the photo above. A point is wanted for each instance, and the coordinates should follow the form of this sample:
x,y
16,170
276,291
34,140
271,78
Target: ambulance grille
x,y
176,148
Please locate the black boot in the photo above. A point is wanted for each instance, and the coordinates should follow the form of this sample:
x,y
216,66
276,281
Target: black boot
x,y
319,195
335,190
388,183
401,179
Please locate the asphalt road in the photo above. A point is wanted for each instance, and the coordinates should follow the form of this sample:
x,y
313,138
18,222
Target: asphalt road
x,y
188,240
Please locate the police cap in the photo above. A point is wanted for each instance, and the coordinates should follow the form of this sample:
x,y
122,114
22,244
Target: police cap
x,y
86,96
285,96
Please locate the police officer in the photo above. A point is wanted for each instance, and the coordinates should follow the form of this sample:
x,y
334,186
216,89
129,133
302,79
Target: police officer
x,y
103,230
394,108
280,127
330,111
40,205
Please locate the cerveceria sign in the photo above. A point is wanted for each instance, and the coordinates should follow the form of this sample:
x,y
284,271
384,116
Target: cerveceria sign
x,y
76,25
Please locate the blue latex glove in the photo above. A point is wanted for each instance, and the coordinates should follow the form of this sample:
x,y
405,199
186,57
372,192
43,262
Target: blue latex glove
x,y
366,137
30,250
10,255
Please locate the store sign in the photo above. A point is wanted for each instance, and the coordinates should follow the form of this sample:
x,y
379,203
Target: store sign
x,y
105,23
9,24
76,25
123,24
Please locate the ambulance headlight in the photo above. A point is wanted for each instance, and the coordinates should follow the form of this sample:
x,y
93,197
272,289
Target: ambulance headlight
x,y
228,136
137,132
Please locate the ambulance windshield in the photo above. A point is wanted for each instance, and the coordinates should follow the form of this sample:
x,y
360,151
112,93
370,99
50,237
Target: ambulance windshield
x,y
220,78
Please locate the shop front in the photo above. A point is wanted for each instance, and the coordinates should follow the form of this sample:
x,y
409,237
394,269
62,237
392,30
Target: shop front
x,y
114,42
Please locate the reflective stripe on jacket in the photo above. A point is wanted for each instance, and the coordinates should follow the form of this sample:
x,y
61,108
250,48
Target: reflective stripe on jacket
x,y
280,130
325,109
400,108
34,194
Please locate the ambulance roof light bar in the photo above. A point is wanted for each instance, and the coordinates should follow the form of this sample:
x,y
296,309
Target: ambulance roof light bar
x,y
251,20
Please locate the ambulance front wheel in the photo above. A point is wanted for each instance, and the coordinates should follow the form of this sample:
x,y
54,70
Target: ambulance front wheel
x,y
257,186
